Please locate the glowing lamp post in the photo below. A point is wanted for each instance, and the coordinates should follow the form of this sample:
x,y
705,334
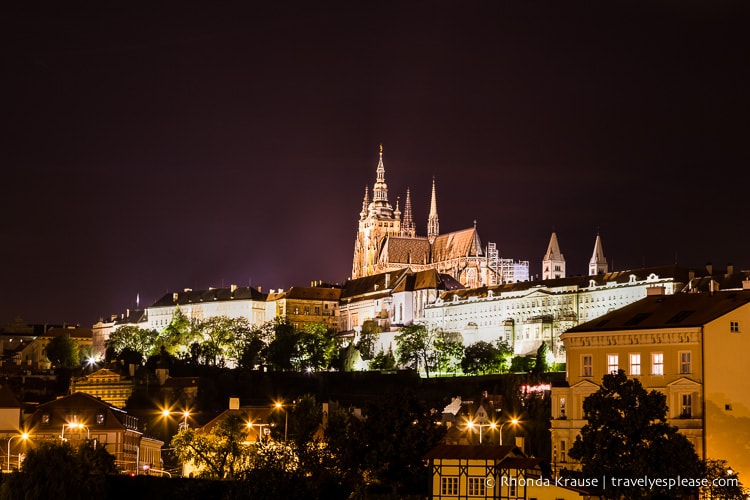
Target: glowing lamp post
x,y
513,421
279,406
23,437
252,424
470,425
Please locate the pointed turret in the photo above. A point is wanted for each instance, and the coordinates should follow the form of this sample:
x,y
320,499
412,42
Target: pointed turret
x,y
365,203
553,264
380,190
408,228
598,264
433,226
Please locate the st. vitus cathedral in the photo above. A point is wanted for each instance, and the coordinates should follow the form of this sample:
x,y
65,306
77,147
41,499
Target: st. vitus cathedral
x,y
386,241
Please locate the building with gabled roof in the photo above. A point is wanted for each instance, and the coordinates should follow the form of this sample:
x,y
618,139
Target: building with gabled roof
x,y
301,305
689,346
392,299
387,242
81,416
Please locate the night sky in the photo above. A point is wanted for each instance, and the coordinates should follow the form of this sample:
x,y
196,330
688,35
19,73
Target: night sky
x,y
146,149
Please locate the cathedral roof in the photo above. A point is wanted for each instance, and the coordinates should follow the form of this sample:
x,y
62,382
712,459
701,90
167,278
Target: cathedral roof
x,y
464,243
407,250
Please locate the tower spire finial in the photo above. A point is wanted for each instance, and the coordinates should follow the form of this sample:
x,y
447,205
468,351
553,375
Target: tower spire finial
x,y
433,226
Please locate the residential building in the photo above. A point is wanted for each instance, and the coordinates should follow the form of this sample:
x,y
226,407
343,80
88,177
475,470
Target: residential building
x,y
33,356
689,346
81,416
301,305
387,242
497,472
233,302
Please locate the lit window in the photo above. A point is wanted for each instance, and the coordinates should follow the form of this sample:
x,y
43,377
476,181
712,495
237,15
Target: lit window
x,y
734,326
563,456
587,365
449,485
657,363
635,364
45,418
562,407
613,363
476,486
686,362
687,406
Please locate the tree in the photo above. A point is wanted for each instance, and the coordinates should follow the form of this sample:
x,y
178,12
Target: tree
x,y
721,489
481,358
315,347
383,361
134,338
219,452
449,351
627,436
543,359
415,346
368,336
63,352
281,350
54,470
221,340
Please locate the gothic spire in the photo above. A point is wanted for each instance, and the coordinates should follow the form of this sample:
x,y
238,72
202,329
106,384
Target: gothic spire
x,y
365,203
598,264
407,226
380,190
433,227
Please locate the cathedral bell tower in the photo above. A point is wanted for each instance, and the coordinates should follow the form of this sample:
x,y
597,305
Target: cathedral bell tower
x,y
377,220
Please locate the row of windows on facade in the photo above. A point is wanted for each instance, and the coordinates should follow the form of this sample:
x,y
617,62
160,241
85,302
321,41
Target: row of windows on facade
x,y
475,486
634,364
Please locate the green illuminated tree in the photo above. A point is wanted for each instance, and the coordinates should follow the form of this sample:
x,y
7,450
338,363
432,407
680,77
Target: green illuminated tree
x,y
63,352
627,436
415,347
315,347
134,338
482,357
368,336
219,452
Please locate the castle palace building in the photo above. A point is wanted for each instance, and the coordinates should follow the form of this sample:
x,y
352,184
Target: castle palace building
x,y
387,241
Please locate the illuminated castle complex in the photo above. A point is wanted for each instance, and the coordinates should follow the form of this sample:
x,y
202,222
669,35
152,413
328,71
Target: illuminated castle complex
x,y
386,241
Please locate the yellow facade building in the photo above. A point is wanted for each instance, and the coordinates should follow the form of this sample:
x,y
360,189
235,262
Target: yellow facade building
x,y
690,346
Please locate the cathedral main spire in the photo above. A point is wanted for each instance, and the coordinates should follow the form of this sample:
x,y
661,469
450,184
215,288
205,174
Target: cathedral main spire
x,y
380,190
433,226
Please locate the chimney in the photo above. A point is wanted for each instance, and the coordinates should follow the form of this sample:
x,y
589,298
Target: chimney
x,y
259,288
730,268
175,295
691,275
232,288
234,403
387,280
746,283
710,268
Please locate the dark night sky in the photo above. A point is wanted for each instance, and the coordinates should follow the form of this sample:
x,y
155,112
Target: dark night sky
x,y
149,149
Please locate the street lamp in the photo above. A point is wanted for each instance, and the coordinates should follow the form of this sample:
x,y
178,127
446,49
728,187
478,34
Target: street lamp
x,y
513,421
75,425
260,432
184,424
279,406
470,425
23,437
